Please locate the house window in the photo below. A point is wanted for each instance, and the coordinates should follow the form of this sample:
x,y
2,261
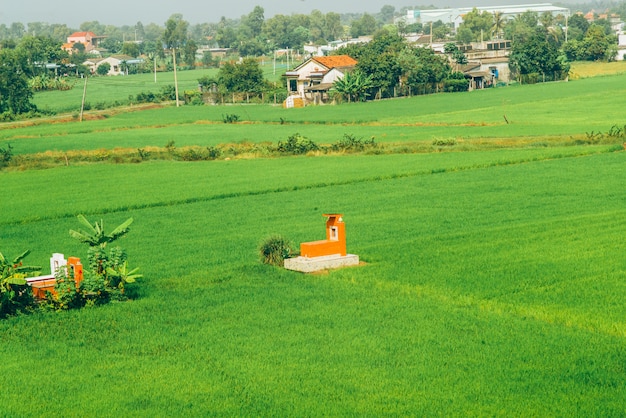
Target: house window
x,y
293,85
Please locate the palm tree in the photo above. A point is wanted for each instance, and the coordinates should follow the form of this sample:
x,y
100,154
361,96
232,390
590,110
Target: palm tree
x,y
547,19
498,24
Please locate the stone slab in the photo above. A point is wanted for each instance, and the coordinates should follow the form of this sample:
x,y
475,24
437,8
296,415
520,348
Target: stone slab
x,y
313,264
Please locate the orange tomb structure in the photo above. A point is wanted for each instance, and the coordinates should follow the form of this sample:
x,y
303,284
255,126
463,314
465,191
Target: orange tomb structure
x,y
324,254
43,284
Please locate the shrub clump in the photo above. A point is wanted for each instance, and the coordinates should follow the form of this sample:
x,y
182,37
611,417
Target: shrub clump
x,y
351,143
297,144
275,249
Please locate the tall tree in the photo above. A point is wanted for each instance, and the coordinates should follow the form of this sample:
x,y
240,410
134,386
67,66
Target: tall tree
x,y
379,60
175,37
244,77
253,22
366,25
386,14
480,23
536,57
15,94
498,25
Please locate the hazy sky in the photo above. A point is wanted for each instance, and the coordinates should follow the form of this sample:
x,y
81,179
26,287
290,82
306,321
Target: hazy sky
x,y
129,12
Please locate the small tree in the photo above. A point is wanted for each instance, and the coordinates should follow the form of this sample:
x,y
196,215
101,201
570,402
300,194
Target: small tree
x,y
244,77
103,69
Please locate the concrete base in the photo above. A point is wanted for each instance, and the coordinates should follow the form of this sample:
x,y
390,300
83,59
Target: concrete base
x,y
310,265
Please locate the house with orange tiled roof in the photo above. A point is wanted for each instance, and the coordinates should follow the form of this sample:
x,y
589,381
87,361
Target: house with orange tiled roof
x,y
88,39
312,79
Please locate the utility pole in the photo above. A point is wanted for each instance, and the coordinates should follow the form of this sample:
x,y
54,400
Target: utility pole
x,y
82,105
175,79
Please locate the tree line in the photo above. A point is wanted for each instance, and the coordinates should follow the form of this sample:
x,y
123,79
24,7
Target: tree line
x,y
542,45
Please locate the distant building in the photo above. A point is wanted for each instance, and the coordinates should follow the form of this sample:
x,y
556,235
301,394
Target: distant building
x,y
454,17
118,64
89,40
313,79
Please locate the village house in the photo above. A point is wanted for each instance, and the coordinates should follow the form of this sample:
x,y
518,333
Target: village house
x,y
118,64
312,80
88,39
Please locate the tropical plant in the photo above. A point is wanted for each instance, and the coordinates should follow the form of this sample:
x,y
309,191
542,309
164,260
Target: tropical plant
x,y
353,86
109,272
15,294
498,25
121,275
95,236
97,239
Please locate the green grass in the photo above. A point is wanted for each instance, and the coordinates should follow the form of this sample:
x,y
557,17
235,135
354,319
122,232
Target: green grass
x,y
489,290
535,113
108,90
493,280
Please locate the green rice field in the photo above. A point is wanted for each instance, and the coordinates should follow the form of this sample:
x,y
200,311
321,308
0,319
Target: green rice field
x,y
492,282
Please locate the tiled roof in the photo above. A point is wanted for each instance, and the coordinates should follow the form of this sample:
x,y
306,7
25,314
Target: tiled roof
x,y
333,61
81,34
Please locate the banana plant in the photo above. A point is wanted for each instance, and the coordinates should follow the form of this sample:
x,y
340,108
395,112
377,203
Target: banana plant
x,y
14,271
97,239
95,236
14,294
122,275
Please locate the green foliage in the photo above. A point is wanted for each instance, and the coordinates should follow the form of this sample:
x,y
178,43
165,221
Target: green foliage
x,y
444,142
594,46
103,69
275,249
351,143
107,274
15,93
479,23
44,82
456,81
94,235
243,77
6,155
230,118
365,25
296,145
119,275
353,87
535,57
67,295
15,294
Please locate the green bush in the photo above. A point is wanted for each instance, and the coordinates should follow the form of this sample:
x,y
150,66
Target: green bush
x,y
297,144
274,250
454,85
230,118
15,294
351,143
444,142
6,155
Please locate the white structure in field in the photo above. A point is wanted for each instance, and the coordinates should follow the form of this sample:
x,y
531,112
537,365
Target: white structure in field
x,y
454,17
